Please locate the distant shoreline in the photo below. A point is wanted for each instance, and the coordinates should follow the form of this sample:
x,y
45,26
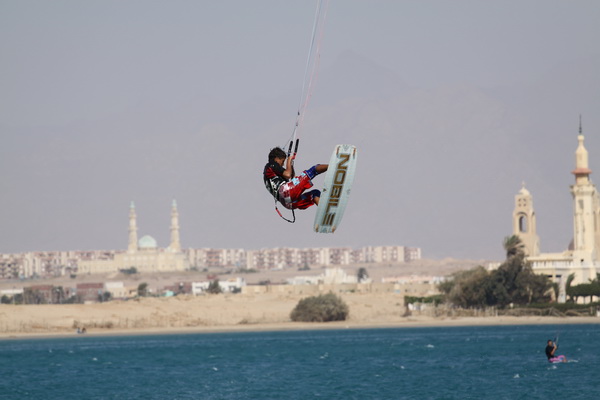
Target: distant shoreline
x,y
228,313
409,322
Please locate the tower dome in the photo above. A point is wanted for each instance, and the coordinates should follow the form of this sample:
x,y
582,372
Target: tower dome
x,y
524,191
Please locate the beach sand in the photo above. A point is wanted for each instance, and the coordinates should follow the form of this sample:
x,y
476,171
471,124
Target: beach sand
x,y
225,313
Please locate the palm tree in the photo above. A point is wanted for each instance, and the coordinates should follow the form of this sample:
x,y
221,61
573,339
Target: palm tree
x,y
513,246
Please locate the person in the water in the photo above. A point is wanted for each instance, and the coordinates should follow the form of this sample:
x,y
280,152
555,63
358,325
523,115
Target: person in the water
x,y
550,353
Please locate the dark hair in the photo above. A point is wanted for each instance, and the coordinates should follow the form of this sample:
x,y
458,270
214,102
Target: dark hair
x,y
276,152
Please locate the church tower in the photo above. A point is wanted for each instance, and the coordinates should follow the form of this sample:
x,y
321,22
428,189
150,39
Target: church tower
x,y
133,240
586,206
524,224
175,245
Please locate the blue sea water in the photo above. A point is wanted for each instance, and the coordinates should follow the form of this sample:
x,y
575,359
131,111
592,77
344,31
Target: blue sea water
x,y
506,362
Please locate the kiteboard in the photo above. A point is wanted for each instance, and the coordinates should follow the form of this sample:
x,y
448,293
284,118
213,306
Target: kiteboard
x,y
338,183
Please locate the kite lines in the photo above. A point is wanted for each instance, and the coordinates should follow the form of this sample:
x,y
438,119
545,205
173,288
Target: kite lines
x,y
310,77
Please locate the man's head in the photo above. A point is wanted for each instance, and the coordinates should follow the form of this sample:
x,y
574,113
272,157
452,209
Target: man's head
x,y
277,155
550,343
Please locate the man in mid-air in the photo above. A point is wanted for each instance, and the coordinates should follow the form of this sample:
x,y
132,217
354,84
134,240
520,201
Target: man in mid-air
x,y
287,188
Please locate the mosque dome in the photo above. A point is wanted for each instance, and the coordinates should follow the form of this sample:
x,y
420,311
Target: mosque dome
x,y
147,242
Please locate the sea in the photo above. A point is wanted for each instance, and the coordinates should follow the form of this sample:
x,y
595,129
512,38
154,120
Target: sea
x,y
491,362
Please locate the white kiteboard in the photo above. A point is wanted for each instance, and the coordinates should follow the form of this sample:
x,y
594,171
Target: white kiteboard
x,y
338,183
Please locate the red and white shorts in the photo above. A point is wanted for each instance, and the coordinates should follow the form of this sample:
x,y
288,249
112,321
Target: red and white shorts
x,y
292,196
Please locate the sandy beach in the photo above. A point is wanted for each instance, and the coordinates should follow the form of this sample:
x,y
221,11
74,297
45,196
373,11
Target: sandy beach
x,y
224,313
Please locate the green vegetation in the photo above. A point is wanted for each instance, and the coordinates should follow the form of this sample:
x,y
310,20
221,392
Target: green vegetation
x,y
31,296
362,275
214,287
142,289
322,308
435,299
513,283
583,289
104,297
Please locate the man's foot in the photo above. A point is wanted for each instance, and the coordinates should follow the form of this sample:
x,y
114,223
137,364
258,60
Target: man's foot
x,y
320,168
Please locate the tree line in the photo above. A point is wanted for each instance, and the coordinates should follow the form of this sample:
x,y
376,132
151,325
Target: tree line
x,y
584,290
512,283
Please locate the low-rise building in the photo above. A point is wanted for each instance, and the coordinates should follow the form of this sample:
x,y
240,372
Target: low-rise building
x,y
232,285
90,292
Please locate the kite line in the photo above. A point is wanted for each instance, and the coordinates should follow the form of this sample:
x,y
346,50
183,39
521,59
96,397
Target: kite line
x,y
310,76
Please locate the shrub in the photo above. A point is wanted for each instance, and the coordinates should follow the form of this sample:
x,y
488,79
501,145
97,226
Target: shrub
x,y
322,308
142,289
129,271
214,287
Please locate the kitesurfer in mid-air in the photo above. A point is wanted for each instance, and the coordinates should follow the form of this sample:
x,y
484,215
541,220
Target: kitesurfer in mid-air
x,y
550,350
287,188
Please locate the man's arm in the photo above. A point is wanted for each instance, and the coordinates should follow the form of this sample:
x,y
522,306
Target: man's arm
x,y
289,169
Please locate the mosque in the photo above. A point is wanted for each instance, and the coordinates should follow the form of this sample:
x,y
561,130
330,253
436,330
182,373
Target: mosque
x,y
144,254
581,258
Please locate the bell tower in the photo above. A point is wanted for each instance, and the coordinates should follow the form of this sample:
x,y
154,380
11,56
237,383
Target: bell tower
x,y
524,223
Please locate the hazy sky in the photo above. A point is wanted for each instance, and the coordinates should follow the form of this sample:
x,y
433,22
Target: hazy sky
x,y
452,105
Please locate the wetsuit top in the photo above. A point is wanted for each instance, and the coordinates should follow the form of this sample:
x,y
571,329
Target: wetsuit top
x,y
273,178
549,351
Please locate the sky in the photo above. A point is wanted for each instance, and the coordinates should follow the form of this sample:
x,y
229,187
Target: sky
x,y
452,106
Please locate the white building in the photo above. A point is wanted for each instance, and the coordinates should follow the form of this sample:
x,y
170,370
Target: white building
x,y
144,255
331,276
227,286
581,258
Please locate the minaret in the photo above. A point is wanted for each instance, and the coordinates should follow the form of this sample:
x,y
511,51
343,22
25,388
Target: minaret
x,y
175,245
133,240
524,224
585,207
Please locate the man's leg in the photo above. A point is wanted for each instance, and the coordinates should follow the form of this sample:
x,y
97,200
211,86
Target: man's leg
x,y
307,199
316,170
312,172
294,189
